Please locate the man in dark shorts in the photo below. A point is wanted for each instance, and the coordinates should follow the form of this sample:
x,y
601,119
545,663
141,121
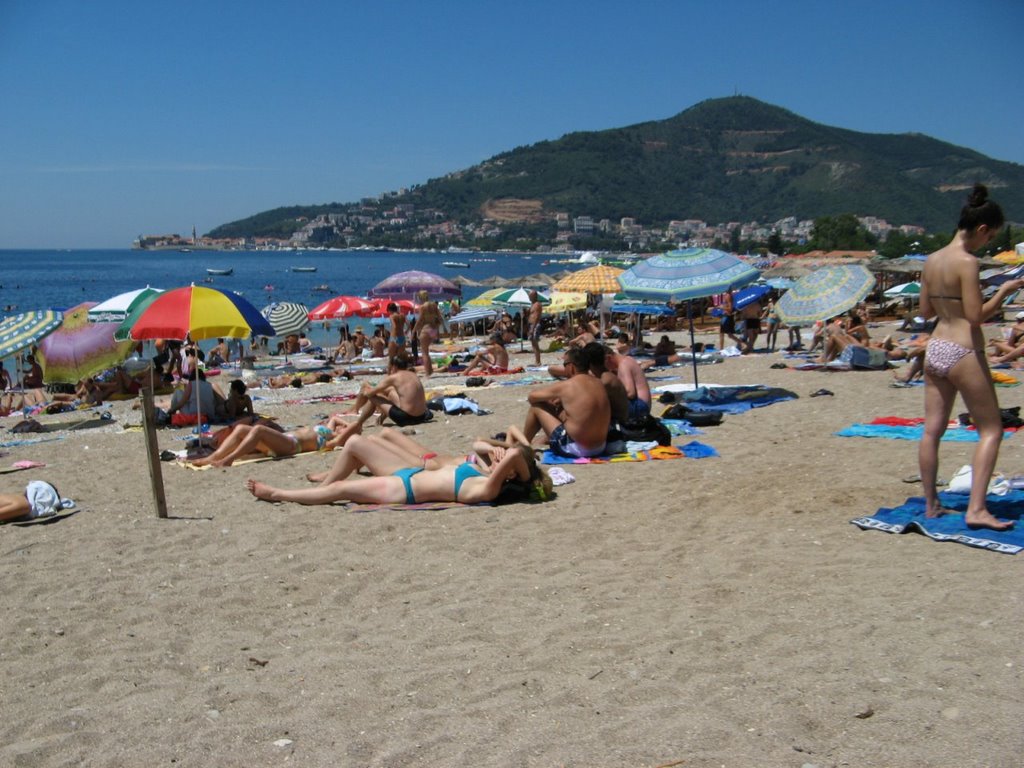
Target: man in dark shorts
x,y
399,396
575,414
534,318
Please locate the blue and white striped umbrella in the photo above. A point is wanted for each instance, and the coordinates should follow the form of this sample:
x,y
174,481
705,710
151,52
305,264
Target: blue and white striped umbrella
x,y
24,329
826,292
692,273
287,317
473,314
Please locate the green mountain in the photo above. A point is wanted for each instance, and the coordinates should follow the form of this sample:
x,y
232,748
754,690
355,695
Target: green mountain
x,y
731,159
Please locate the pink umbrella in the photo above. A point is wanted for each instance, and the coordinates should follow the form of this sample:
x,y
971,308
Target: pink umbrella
x,y
340,306
79,348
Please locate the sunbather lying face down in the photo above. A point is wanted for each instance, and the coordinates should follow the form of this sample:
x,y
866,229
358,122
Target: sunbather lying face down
x,y
465,483
246,440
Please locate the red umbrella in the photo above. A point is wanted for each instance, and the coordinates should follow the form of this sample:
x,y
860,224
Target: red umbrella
x,y
340,306
379,307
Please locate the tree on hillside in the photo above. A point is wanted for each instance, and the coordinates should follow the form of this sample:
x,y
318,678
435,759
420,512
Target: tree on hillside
x,y
841,233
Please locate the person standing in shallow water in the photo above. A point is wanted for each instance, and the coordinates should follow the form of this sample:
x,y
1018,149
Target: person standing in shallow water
x,y
955,355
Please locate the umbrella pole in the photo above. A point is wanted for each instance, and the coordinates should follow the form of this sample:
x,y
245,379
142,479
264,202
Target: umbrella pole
x,y
693,354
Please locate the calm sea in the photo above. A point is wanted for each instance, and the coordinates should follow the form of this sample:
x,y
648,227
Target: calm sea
x,y
40,279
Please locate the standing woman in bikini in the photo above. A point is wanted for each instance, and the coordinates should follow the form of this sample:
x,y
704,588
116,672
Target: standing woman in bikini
x,y
955,356
427,328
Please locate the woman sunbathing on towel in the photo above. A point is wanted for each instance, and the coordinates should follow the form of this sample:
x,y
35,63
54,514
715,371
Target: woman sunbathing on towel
x,y
390,450
467,483
246,439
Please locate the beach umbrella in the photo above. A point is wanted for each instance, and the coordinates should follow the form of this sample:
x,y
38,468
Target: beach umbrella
x,y
287,317
1000,276
599,279
116,309
379,307
474,315
904,291
691,273
338,307
405,285
786,271
200,312
485,299
1009,257
79,348
563,301
825,293
748,295
780,283
25,329
642,308
517,297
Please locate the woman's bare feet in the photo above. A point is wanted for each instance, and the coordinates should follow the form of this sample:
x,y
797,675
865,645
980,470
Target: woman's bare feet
x,y
259,490
985,519
316,477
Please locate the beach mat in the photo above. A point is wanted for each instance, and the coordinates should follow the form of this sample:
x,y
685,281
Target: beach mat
x,y
910,517
734,399
896,428
692,450
421,507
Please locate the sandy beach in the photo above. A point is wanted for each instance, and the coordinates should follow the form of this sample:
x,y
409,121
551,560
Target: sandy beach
x,y
712,612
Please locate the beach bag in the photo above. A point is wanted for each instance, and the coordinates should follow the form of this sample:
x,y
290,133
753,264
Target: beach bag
x,y
476,381
697,418
645,430
868,358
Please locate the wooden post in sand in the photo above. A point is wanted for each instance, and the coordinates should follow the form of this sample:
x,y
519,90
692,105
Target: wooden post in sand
x,y
156,476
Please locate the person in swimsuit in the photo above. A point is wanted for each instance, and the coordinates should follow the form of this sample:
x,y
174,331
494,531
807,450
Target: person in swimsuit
x,y
955,355
397,342
399,396
246,439
427,329
464,483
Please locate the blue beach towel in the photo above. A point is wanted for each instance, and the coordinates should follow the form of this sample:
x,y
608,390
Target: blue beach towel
x,y
896,432
735,399
910,517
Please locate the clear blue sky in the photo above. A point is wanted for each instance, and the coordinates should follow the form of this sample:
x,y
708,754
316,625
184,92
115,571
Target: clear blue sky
x,y
121,118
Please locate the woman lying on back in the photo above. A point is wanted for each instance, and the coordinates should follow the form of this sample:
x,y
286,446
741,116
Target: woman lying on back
x,y
466,482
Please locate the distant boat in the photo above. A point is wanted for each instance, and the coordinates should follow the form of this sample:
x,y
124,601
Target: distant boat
x,y
303,269
325,288
210,271
454,264
268,287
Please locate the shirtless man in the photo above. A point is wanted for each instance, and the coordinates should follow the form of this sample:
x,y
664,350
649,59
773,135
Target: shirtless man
x,y
533,318
492,359
751,316
618,398
632,377
33,377
575,414
399,396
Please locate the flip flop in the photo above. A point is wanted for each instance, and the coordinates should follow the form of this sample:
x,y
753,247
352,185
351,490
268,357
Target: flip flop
x,y
822,392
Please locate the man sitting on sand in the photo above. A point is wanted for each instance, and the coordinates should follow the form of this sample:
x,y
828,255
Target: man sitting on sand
x,y
399,396
633,379
618,398
575,414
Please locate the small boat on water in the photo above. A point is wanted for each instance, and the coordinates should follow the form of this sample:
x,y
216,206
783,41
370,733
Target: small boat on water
x,y
454,264
303,269
229,271
325,288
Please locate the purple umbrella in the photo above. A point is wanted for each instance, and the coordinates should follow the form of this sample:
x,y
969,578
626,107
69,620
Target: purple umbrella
x,y
79,348
405,285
